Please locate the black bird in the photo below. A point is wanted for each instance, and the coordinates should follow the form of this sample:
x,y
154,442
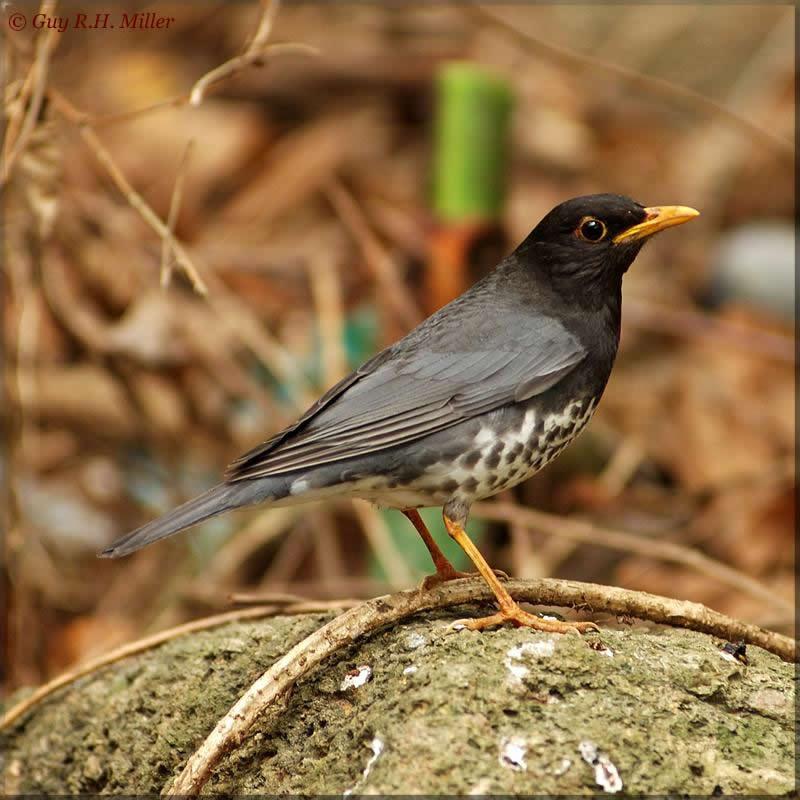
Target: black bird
x,y
477,398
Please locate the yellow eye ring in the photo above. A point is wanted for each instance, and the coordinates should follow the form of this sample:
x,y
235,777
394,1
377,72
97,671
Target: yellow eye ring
x,y
591,229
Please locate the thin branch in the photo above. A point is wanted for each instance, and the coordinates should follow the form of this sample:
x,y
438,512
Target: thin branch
x,y
231,310
298,603
36,83
238,317
265,527
15,113
256,51
130,649
64,107
206,82
690,324
351,586
167,243
268,14
393,288
102,120
239,63
380,539
326,289
622,466
681,95
329,559
372,615
579,531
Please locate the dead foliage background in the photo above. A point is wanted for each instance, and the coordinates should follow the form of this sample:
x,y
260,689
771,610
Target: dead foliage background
x,y
296,188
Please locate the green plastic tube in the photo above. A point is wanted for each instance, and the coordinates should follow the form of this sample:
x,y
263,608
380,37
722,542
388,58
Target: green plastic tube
x,y
473,112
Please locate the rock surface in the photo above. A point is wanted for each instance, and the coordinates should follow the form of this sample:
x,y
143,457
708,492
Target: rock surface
x,y
422,709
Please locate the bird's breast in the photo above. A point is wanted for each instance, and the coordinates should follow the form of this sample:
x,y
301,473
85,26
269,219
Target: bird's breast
x,y
513,453
480,459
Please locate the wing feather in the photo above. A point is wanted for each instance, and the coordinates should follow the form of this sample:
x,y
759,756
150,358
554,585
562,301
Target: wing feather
x,y
410,391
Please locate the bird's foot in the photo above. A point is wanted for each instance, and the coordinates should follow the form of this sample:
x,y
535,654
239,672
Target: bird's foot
x,y
520,618
444,575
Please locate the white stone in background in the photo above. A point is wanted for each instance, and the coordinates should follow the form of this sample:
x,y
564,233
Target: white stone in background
x,y
755,264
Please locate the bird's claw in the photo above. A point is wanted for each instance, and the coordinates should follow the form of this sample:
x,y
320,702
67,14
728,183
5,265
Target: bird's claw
x,y
520,618
438,578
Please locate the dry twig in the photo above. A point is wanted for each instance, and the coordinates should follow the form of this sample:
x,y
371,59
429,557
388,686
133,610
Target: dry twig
x,y
277,604
351,586
256,51
231,310
133,648
172,217
690,323
239,318
621,467
69,112
263,528
380,540
682,95
289,599
326,289
580,531
372,615
329,560
393,287
32,94
288,558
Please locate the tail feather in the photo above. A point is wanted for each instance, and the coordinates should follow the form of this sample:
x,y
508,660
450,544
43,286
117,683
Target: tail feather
x,y
219,499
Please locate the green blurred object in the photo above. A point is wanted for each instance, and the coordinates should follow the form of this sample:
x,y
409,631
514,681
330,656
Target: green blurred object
x,y
361,335
416,556
473,113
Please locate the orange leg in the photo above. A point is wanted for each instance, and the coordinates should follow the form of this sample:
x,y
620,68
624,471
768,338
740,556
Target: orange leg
x,y
509,608
445,571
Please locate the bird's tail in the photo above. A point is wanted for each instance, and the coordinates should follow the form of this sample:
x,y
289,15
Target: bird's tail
x,y
221,498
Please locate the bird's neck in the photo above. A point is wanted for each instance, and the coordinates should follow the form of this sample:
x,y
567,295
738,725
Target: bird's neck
x,y
593,288
600,298
612,309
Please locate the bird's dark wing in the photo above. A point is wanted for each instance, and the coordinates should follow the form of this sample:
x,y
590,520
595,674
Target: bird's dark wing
x,y
409,391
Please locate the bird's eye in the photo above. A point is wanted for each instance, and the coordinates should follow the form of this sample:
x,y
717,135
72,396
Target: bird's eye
x,y
591,229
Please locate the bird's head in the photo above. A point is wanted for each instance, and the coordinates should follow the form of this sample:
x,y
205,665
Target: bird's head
x,y
588,243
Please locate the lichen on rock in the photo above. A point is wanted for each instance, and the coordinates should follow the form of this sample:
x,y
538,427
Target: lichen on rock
x,y
508,711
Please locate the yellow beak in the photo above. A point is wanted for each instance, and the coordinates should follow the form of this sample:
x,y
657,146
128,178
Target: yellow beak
x,y
658,218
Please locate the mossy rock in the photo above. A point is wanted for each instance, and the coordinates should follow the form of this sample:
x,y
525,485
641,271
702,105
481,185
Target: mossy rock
x,y
508,711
